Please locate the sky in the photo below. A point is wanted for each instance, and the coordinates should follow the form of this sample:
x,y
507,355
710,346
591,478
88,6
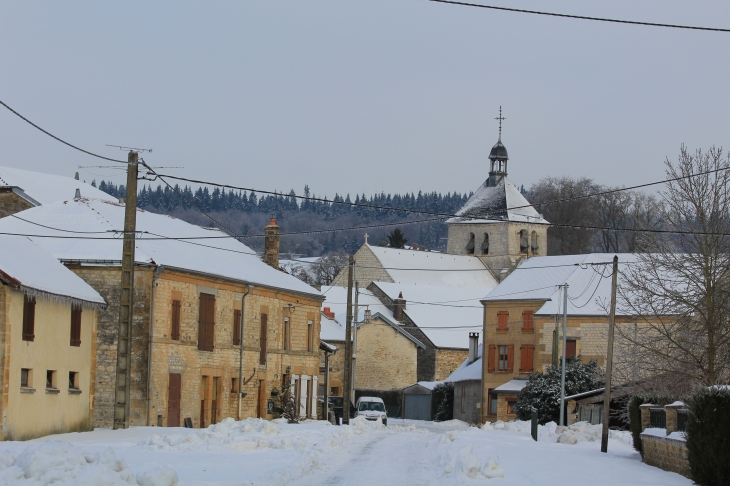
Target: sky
x,y
362,96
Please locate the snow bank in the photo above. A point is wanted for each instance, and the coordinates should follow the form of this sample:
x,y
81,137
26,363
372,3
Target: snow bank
x,y
578,432
467,464
159,476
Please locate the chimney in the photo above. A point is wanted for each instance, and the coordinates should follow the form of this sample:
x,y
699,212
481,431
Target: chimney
x,y
271,245
415,246
399,305
473,346
76,176
77,196
328,313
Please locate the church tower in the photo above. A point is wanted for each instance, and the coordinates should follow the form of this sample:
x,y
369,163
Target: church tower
x,y
497,224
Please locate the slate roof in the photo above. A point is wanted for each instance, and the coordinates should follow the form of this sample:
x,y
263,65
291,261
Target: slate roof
x,y
48,188
501,202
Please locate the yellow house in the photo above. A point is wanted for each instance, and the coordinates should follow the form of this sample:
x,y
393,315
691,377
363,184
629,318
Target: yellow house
x,y
48,319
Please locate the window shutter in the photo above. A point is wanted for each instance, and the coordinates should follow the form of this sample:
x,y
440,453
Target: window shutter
x,y
523,358
28,318
502,321
262,338
510,358
236,327
175,331
75,327
527,324
210,327
492,352
530,358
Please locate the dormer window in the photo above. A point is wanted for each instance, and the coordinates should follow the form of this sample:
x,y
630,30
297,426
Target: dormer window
x,y
524,242
485,244
470,245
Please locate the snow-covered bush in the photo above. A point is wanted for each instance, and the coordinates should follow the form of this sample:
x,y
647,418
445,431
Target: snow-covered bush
x,y
285,404
542,390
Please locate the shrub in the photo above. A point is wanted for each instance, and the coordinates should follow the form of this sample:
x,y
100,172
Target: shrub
x,y
542,390
442,399
708,436
284,402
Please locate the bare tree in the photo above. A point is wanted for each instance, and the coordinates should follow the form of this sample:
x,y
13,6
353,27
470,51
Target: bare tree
x,y
618,212
679,288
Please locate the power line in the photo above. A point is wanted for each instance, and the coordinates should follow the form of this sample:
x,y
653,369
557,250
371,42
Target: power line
x,y
581,17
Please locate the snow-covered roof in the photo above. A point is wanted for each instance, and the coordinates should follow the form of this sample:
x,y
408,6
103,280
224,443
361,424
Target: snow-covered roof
x,y
501,202
308,265
428,385
432,268
445,315
333,329
48,188
224,258
512,386
25,265
468,371
588,278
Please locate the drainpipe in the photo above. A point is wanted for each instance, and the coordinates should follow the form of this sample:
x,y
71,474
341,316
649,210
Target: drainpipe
x,y
158,271
240,351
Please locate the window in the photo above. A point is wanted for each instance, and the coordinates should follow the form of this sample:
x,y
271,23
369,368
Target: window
x,y
570,348
505,357
527,324
75,326
287,334
492,402
234,385
206,323
26,378
470,245
511,406
485,244
310,336
73,380
236,327
524,242
262,338
502,321
527,356
28,318
175,327
51,379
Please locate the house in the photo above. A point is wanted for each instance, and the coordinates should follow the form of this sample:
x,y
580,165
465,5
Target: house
x,y
386,353
48,319
23,189
467,380
215,330
523,321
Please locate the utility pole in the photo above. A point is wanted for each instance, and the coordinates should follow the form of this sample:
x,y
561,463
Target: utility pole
x,y
347,378
124,339
609,358
562,373
356,313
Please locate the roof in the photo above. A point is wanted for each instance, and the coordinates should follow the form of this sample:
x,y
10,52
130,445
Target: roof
x,y
26,266
333,329
432,268
428,385
587,276
223,258
468,371
501,202
499,151
444,314
48,188
512,386
326,347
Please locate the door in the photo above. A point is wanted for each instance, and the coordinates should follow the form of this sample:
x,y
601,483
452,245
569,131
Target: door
x,y
174,394
214,402
570,348
261,407
418,407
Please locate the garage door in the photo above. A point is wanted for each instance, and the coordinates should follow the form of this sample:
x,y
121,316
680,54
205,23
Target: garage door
x,y
418,407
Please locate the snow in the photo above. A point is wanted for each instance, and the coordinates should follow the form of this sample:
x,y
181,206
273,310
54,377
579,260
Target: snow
x,y
48,188
502,202
512,386
676,403
37,269
662,433
445,315
405,452
432,268
225,257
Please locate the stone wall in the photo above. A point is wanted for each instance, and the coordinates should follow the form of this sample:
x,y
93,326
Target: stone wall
x,y
666,453
386,359
447,360
11,203
337,368
373,271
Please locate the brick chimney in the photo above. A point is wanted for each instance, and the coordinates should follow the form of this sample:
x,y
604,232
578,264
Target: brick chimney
x,y
399,305
473,346
328,313
271,245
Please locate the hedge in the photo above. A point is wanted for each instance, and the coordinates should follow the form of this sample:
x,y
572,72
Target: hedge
x,y
708,436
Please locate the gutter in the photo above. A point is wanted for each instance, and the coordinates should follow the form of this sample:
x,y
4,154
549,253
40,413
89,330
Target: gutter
x,y
158,271
240,351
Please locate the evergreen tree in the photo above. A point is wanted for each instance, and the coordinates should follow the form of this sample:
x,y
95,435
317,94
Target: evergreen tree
x,y
396,239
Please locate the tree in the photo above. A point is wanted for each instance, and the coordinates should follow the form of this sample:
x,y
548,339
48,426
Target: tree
x,y
396,239
542,390
329,266
680,288
284,403
443,401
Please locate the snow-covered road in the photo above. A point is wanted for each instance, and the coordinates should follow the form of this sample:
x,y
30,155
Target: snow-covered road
x,y
259,452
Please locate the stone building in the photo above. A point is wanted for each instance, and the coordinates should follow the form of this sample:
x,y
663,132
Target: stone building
x,y
195,303
48,319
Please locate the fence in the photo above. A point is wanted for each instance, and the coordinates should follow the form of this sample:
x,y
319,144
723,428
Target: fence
x,y
682,417
658,418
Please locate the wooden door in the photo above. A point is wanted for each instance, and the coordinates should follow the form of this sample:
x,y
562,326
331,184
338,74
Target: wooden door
x,y
261,405
570,348
174,395
214,402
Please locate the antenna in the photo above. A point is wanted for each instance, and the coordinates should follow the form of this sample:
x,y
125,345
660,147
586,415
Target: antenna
x,y
120,147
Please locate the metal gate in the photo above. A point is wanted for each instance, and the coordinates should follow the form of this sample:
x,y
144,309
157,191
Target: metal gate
x,y
417,407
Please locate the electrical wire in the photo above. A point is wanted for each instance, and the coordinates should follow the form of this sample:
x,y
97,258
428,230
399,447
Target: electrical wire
x,y
581,17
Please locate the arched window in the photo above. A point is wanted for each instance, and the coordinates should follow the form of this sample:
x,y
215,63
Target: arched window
x,y
533,243
485,244
524,242
470,245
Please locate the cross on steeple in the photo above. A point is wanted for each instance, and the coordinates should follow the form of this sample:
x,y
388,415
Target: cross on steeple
x,y
500,118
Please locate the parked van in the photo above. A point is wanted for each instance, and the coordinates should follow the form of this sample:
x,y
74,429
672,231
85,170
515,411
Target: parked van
x,y
372,408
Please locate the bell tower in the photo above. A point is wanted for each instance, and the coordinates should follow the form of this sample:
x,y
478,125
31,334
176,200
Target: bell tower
x,y
498,157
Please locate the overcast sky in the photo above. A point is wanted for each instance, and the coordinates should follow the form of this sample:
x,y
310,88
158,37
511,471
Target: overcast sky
x,y
363,96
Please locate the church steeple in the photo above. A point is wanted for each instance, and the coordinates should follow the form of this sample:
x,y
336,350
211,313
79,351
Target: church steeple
x,y
498,157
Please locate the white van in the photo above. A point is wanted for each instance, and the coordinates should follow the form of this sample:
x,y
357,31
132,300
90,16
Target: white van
x,y
372,408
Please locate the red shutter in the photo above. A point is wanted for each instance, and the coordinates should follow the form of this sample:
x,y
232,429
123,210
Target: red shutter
x,y
262,338
492,352
236,327
523,358
527,324
175,331
530,358
210,327
75,327
510,358
28,318
502,321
